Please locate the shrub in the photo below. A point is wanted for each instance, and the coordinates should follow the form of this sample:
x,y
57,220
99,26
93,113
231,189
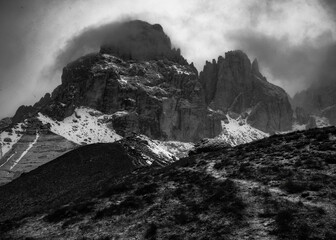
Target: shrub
x,y
151,232
7,226
283,219
117,189
182,217
71,221
225,197
146,189
294,187
304,231
69,211
130,203
330,159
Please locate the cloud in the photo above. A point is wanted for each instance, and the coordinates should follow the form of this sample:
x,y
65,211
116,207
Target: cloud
x,y
330,6
39,37
294,65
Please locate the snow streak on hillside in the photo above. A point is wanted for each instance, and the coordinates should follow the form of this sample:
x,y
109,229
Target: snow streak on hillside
x,y
11,137
25,151
84,126
237,131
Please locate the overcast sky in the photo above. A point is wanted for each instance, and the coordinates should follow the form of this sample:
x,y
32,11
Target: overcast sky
x,y
290,38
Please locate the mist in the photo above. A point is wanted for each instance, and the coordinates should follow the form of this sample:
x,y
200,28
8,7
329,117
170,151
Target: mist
x,y
291,39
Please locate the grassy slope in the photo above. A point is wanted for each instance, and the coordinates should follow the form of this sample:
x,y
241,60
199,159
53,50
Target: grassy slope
x,y
283,187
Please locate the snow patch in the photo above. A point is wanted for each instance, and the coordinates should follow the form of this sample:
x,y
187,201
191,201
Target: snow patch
x,y
298,127
168,150
84,126
237,131
179,70
122,80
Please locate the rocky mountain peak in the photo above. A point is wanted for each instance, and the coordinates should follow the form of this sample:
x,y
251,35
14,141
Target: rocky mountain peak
x,y
139,40
234,84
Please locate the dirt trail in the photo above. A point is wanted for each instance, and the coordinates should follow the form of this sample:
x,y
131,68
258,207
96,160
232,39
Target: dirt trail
x,y
260,227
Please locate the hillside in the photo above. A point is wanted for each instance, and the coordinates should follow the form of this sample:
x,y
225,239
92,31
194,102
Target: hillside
x,y
281,187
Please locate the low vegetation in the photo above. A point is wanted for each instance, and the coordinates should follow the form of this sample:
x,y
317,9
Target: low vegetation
x,y
283,187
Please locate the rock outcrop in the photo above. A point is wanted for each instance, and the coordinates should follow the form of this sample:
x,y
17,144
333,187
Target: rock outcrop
x,y
234,84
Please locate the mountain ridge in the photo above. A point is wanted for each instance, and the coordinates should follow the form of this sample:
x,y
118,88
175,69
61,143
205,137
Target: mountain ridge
x,y
157,93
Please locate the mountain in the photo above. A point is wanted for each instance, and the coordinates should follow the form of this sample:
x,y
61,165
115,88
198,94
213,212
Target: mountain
x,y
234,84
281,187
139,40
318,100
135,144
139,84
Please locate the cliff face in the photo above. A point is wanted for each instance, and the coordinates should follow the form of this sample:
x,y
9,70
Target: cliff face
x,y
159,98
318,100
234,84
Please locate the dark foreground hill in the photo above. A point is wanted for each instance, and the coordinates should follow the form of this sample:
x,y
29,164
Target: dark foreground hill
x,y
72,175
282,187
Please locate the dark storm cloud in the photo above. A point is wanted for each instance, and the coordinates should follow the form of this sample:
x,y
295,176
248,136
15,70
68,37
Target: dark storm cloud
x,y
91,39
87,41
330,6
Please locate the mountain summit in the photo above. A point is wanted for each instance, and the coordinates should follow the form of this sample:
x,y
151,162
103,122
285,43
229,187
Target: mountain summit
x,y
139,40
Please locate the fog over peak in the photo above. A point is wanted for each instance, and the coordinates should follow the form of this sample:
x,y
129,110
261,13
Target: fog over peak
x,y
291,39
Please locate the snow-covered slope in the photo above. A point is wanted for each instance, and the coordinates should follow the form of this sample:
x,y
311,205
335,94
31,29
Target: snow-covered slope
x,y
84,126
237,131
170,151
